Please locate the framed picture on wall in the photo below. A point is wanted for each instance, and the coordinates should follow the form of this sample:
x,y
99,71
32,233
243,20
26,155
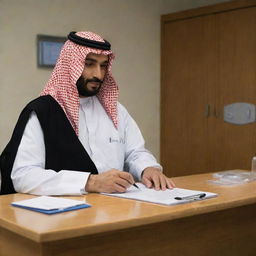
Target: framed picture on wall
x,y
48,50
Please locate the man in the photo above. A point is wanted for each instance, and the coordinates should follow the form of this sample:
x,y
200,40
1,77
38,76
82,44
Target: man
x,y
76,137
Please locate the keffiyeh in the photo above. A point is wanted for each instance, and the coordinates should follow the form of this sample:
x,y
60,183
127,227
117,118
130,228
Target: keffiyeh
x,y
69,67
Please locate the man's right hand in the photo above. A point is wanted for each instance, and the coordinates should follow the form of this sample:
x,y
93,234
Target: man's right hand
x,y
109,182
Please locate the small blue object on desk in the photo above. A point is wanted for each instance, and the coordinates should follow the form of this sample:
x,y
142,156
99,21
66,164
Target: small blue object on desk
x,y
52,211
50,205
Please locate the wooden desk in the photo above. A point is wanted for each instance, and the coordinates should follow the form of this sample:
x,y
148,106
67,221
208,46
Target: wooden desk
x,y
225,225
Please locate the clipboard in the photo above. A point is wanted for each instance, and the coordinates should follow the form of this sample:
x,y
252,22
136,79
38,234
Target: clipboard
x,y
167,197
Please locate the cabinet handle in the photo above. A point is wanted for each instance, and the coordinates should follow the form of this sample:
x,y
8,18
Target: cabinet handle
x,y
207,110
216,112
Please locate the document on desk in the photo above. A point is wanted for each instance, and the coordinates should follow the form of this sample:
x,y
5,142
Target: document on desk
x,y
50,205
167,197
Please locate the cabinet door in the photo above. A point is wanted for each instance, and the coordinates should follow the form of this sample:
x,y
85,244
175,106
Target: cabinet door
x,y
188,70
234,145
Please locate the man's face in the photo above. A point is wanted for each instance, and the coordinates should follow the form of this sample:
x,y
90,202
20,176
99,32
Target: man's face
x,y
93,75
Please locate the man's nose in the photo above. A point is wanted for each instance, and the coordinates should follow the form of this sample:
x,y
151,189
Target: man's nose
x,y
97,72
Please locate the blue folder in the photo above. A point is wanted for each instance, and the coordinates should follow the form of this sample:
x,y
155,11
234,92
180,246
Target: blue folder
x,y
52,211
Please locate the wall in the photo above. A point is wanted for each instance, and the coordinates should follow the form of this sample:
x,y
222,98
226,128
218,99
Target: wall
x,y
133,28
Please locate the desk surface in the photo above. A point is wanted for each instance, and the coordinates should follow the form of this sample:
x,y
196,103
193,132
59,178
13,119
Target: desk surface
x,y
110,213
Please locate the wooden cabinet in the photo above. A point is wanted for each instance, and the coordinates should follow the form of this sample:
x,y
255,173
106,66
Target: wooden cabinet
x,y
208,61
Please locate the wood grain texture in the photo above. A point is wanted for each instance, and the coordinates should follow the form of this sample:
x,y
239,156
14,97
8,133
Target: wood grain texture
x,y
187,74
115,225
233,146
209,10
207,60
230,232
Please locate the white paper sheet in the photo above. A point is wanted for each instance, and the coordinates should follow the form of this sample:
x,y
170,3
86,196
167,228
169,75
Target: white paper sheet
x,y
166,197
48,203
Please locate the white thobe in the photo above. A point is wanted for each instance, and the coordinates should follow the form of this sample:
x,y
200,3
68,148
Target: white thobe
x,y
109,148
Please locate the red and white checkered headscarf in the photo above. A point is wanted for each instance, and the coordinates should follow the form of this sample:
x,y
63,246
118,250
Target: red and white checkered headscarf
x,y
69,67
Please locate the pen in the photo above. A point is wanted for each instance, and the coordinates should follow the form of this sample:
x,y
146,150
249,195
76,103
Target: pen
x,y
135,186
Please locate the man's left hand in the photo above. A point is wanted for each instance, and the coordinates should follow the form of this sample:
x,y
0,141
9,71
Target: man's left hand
x,y
153,178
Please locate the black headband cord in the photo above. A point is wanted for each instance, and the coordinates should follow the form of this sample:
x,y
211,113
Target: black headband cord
x,y
89,43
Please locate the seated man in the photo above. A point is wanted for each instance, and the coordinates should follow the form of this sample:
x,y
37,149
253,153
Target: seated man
x,y
76,137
